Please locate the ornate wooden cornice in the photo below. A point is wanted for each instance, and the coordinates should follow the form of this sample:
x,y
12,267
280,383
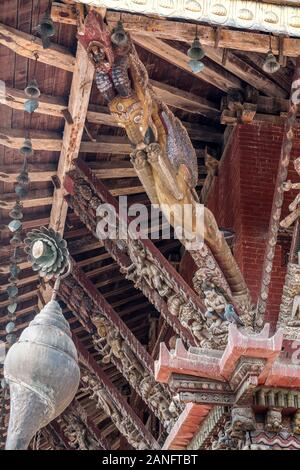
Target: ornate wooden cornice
x,y
249,15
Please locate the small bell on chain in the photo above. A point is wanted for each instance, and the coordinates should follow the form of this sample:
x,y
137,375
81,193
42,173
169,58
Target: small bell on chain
x,y
46,29
119,36
196,53
32,90
31,105
16,212
26,148
270,65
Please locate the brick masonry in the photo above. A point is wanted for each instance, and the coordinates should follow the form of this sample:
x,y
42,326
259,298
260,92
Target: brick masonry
x,y
241,200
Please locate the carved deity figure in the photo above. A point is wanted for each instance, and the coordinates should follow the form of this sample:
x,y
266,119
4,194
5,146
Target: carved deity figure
x,y
162,155
273,420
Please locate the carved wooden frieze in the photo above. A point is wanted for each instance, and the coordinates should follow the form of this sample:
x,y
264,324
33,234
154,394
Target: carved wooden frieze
x,y
109,399
289,312
215,419
78,431
242,14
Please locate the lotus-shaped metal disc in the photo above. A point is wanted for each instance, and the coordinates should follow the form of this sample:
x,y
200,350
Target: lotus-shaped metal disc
x,y
47,252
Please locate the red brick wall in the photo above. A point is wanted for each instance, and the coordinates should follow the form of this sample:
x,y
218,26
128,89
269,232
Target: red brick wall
x,y
242,199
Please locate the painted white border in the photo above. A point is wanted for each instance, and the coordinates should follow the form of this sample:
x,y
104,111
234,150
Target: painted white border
x,y
243,14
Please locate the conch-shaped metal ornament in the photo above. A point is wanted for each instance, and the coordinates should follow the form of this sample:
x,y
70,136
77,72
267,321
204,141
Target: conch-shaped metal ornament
x,y
43,375
42,367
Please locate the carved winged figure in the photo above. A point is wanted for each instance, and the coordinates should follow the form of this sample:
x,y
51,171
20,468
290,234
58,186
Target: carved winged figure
x,y
163,155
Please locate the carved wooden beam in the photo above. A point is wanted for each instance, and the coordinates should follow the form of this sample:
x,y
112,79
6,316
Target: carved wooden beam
x,y
278,198
113,402
163,28
57,106
115,342
211,74
231,14
160,300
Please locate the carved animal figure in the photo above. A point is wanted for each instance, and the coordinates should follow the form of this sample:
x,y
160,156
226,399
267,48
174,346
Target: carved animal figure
x,y
163,155
231,316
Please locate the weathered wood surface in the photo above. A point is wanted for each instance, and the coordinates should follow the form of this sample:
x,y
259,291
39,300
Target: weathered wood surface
x,y
78,104
210,74
28,46
185,31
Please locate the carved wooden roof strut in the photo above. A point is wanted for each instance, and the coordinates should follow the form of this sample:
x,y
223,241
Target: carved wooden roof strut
x,y
285,154
179,284
124,409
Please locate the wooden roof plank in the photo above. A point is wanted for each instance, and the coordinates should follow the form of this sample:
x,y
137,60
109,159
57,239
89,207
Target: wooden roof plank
x,y
30,46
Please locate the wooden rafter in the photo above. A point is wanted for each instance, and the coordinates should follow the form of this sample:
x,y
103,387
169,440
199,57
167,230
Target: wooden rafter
x,y
29,46
118,145
211,74
56,106
78,104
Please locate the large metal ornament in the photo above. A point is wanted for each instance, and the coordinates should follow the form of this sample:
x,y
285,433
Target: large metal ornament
x,y
43,375
47,252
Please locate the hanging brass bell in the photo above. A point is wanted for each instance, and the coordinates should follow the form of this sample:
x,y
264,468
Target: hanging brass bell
x,y
46,26
196,52
14,225
119,36
16,256
12,307
14,269
16,212
31,105
12,291
21,191
46,29
270,65
32,90
196,65
16,239
26,148
23,177
10,327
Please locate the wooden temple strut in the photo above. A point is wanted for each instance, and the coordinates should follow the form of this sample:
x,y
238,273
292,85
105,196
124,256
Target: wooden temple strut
x,y
117,399
284,160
